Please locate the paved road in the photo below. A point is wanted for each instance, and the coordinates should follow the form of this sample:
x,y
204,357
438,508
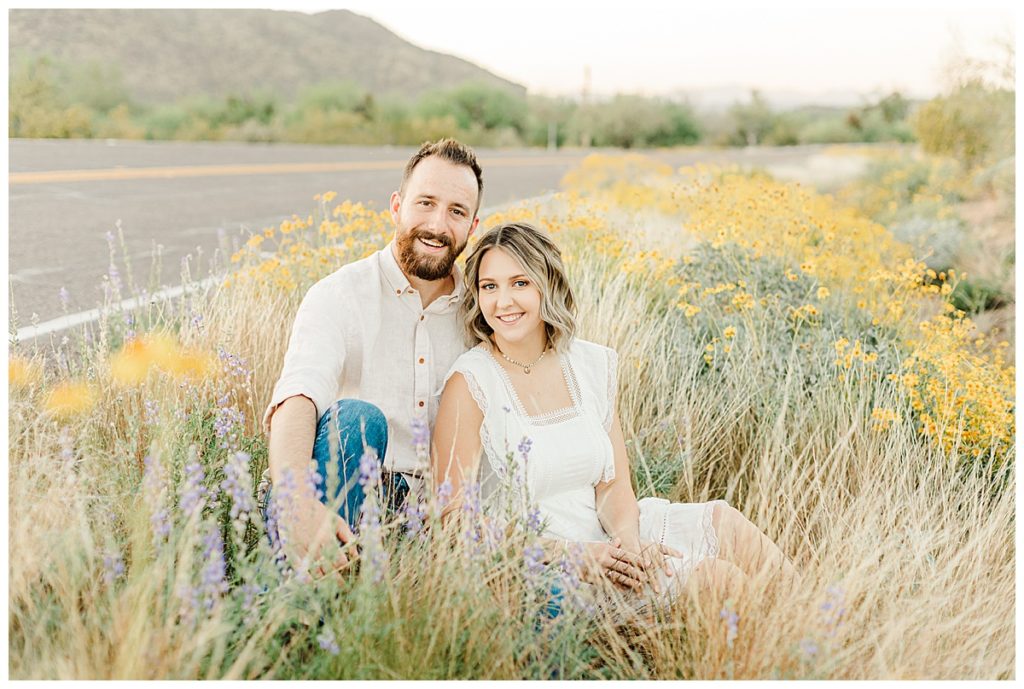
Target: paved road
x,y
65,196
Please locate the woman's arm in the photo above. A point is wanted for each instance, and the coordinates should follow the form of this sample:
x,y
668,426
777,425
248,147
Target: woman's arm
x,y
616,502
455,444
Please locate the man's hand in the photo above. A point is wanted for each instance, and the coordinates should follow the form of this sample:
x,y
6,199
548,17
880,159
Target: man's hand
x,y
617,565
311,533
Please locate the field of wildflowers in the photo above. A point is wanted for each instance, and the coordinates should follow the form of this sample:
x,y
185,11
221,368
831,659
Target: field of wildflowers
x,y
788,351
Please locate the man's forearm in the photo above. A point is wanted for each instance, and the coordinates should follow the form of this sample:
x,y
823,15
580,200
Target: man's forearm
x,y
292,433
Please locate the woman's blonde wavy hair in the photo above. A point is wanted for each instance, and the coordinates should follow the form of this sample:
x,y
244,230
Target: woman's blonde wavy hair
x,y
542,263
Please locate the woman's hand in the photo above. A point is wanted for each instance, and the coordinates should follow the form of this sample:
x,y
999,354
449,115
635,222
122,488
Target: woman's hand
x,y
654,557
617,565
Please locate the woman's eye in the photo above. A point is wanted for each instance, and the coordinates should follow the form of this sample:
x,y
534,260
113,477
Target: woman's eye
x,y
521,283
487,286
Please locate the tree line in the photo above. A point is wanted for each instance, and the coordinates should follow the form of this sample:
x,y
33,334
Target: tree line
x,y
49,99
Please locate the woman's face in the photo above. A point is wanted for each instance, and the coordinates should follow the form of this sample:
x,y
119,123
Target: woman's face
x,y
508,297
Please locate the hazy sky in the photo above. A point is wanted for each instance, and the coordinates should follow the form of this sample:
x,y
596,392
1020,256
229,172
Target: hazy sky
x,y
662,47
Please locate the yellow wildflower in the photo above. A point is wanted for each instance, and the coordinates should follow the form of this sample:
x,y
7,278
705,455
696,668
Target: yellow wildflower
x,y
69,399
23,372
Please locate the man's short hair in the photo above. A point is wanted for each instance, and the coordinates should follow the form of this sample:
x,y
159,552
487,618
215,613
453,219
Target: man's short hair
x,y
454,152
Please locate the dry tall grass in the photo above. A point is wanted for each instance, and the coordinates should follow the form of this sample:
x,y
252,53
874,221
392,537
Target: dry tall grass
x,y
906,547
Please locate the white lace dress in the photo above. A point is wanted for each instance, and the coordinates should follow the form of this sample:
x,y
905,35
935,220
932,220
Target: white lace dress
x,y
552,462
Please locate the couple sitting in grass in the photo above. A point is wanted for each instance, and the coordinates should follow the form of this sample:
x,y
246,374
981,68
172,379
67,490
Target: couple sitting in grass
x,y
377,365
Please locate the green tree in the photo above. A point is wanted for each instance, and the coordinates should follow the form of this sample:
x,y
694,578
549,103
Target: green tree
x,y
752,121
476,104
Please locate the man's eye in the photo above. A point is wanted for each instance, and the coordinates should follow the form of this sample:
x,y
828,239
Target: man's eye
x,y
458,211
424,202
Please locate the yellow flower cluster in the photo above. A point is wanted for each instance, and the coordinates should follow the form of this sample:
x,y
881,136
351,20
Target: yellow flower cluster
x,y
23,373
965,400
883,417
300,256
847,356
839,255
69,399
158,351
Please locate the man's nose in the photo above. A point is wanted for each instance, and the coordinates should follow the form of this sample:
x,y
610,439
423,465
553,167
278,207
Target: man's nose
x,y
435,220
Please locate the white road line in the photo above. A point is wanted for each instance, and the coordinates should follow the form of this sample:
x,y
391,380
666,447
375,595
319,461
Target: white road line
x,y
31,332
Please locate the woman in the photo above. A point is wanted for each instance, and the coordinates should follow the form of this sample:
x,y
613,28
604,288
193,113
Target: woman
x,y
529,414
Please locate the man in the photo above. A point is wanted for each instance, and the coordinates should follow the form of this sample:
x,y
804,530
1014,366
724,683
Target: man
x,y
369,344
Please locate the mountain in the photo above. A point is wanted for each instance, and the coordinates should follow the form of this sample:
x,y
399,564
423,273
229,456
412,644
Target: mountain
x,y
162,55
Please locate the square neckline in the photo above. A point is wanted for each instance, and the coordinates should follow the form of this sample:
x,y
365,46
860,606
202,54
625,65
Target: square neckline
x,y
549,418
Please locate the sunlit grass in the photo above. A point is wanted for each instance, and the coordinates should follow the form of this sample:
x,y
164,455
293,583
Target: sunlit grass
x,y
772,354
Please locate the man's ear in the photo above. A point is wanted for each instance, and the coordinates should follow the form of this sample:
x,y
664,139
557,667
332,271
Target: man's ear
x,y
472,228
394,205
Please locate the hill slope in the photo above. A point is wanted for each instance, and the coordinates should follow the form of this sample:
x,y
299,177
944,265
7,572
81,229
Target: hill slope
x,y
164,54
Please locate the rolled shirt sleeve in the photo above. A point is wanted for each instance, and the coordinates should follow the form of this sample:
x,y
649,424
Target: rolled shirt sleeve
x,y
316,353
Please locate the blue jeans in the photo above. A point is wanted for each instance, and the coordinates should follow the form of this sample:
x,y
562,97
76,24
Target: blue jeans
x,y
350,421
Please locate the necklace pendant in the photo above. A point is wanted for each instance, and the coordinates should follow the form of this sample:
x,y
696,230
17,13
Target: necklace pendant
x,y
526,370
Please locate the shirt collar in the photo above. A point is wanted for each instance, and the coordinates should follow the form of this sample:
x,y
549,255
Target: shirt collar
x,y
399,283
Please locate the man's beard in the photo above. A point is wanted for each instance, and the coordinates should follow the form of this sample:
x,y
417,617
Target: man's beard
x,y
427,267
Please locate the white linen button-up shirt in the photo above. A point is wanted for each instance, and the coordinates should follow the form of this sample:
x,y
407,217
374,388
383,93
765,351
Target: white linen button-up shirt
x,y
362,332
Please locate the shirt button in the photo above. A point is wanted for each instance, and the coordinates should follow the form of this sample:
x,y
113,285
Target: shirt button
x,y
398,291
422,317
422,360
421,403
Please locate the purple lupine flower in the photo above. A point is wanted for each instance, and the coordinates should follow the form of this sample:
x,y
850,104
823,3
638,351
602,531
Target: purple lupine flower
x,y
115,278
161,524
237,484
193,493
151,412
65,297
471,501
191,602
524,447
832,609
154,484
494,536
280,497
375,557
213,581
113,567
420,436
570,575
534,521
415,514
444,493
328,643
732,623
250,591
197,321
234,366
314,480
533,557
369,469
808,647
226,425
67,448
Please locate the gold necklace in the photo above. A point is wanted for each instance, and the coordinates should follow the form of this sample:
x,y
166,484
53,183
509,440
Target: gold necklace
x,y
526,367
